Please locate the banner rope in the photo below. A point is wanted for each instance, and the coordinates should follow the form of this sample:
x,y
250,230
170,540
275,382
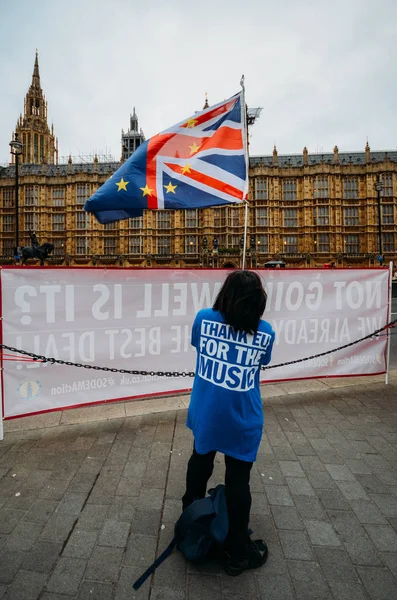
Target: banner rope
x,y
58,361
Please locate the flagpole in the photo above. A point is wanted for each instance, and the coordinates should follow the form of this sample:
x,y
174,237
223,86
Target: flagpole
x,y
245,234
245,142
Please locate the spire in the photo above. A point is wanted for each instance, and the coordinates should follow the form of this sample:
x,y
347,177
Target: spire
x,y
206,105
36,73
275,156
134,121
367,152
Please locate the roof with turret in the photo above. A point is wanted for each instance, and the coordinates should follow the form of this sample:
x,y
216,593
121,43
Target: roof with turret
x,y
283,160
59,170
344,158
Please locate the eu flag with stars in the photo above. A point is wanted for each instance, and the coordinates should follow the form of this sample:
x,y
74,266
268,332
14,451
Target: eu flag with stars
x,y
199,162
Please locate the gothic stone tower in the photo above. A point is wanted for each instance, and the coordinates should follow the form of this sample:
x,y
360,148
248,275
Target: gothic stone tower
x,y
40,145
131,139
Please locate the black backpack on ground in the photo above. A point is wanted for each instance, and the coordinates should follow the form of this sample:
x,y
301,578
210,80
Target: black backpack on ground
x,y
202,527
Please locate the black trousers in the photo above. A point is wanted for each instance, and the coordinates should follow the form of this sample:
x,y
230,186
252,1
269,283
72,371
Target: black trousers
x,y
237,490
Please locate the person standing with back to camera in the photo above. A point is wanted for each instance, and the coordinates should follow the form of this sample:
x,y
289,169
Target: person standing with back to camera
x,y
225,412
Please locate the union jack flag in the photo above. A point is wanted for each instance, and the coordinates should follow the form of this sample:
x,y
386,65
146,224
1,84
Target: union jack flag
x,y
200,162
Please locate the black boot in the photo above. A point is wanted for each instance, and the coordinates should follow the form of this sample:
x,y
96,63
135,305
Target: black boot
x,y
254,556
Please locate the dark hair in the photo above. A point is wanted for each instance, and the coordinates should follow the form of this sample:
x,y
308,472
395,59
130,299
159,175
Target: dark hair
x,y
242,301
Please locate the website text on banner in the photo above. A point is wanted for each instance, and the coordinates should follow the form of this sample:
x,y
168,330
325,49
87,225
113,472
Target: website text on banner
x,y
141,319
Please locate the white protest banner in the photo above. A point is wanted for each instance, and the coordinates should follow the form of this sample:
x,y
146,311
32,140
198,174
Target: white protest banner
x,y
141,320
313,311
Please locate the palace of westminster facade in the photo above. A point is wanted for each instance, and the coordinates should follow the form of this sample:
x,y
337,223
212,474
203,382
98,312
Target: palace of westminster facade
x,y
307,210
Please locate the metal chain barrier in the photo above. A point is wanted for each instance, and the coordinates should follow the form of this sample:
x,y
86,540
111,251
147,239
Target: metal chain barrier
x,y
58,361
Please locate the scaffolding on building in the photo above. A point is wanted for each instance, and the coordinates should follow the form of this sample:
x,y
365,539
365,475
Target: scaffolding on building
x,y
101,157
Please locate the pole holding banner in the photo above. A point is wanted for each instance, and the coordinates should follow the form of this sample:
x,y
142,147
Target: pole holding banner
x,y
1,410
1,364
389,321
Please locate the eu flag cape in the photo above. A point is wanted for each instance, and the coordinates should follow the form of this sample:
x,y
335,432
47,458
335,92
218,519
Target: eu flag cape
x,y
200,162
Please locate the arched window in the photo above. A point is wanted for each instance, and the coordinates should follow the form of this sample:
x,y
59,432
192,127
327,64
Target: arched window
x,y
36,148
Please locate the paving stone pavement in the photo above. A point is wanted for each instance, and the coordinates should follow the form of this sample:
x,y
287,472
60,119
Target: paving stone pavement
x,y
85,507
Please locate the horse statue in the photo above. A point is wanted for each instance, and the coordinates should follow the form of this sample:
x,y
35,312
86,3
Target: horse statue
x,y
36,250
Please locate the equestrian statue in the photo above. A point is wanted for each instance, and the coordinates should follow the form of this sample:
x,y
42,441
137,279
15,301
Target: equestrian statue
x,y
36,250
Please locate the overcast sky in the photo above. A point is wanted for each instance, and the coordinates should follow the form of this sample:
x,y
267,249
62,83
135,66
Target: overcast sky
x,y
324,71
